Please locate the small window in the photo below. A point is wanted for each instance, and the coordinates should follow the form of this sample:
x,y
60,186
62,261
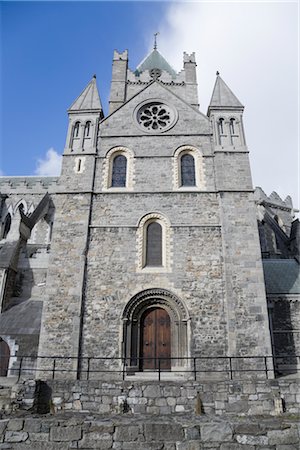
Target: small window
x,y
232,126
87,129
76,130
119,168
188,170
220,130
154,245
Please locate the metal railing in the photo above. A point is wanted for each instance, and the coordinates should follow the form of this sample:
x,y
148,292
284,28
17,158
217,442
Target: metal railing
x,y
197,367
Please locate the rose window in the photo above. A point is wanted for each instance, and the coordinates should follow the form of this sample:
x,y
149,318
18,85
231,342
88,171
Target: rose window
x,y
156,117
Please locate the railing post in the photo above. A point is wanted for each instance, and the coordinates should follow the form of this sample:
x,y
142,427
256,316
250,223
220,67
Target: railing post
x,y
88,368
230,368
20,368
158,369
123,369
266,366
195,369
53,368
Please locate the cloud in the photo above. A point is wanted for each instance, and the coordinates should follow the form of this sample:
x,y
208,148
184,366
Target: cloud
x,y
50,166
254,47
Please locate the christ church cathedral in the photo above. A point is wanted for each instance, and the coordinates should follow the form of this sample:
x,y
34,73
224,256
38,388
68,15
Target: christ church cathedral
x,y
152,248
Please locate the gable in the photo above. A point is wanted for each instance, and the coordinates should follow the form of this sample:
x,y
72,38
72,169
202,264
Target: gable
x,y
123,121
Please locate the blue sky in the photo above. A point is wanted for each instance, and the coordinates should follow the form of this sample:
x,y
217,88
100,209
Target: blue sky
x,y
50,51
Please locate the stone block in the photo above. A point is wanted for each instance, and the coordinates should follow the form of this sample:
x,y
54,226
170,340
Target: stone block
x,y
126,433
15,425
100,441
252,440
179,408
32,425
212,432
16,436
152,391
163,432
234,446
171,401
248,428
64,434
102,426
288,436
192,433
285,447
38,436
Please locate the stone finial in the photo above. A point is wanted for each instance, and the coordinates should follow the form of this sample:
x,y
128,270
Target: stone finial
x,y
189,58
155,40
121,55
217,73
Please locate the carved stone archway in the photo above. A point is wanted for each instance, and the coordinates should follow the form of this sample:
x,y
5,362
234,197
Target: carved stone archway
x,y
132,316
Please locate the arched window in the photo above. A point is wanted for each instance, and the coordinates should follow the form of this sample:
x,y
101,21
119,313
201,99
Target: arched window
x,y
220,130
76,130
187,165
6,226
87,129
153,245
232,126
119,169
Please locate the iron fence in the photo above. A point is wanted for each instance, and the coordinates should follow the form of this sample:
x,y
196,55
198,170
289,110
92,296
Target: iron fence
x,y
197,367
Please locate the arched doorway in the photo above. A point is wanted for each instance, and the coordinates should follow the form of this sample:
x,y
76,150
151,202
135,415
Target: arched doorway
x,y
155,328
155,339
4,358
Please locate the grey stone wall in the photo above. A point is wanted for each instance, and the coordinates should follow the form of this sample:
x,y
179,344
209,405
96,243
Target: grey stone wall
x,y
247,397
170,433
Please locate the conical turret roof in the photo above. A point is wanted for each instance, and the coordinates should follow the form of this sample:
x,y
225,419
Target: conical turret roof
x,y
89,98
222,97
155,60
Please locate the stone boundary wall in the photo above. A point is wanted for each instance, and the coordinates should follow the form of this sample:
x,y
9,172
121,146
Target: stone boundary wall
x,y
181,432
167,397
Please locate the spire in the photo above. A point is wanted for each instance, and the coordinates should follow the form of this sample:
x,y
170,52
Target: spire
x,y
155,60
89,98
222,97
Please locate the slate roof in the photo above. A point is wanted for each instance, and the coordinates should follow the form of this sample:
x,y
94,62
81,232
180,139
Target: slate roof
x,y
88,99
282,276
24,318
155,60
223,97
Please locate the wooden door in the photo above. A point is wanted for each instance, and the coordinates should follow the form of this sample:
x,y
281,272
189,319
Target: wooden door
x,y
155,339
4,358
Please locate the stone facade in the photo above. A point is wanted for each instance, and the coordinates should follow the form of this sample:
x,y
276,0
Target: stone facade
x,y
84,259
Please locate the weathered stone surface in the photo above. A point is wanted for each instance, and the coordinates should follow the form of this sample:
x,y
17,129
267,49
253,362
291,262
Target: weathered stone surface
x,y
3,424
152,391
15,425
96,440
163,432
212,432
38,436
126,433
289,436
252,440
70,433
15,436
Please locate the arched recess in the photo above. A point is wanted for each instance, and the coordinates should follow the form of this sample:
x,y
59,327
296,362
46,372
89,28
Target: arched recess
x,y
4,358
132,333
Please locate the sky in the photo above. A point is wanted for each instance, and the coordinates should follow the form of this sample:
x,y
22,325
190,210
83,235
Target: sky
x,y
51,50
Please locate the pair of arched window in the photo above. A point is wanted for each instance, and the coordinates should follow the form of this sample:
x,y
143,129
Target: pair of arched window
x,y
76,134
233,132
